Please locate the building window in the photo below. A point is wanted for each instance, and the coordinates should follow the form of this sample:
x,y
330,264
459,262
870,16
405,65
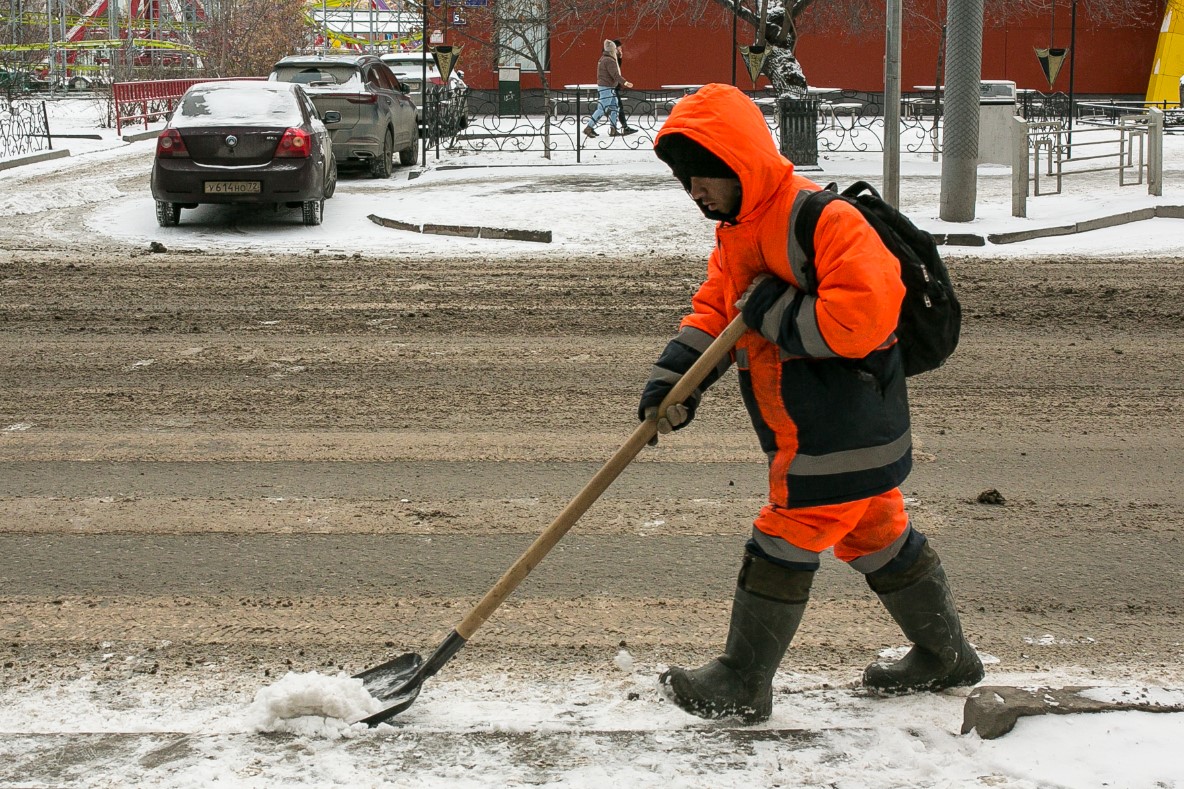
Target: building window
x,y
522,34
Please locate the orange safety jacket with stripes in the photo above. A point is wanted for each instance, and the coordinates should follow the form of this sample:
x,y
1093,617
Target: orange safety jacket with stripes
x,y
822,379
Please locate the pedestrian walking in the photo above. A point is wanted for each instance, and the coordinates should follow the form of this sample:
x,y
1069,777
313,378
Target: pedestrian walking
x,y
608,80
820,374
625,127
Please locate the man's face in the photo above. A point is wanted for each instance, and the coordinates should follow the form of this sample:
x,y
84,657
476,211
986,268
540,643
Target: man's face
x,y
718,195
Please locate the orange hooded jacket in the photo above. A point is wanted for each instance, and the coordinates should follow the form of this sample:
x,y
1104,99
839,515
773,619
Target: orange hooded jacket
x,y
827,393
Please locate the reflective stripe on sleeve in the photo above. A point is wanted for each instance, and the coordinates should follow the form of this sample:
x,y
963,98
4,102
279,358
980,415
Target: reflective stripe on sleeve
x,y
658,373
701,341
695,338
808,331
772,321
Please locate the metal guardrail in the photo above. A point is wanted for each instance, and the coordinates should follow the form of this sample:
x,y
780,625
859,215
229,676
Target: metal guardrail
x,y
1109,112
152,100
1131,145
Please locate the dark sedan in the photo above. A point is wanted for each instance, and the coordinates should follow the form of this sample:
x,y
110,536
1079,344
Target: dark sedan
x,y
244,141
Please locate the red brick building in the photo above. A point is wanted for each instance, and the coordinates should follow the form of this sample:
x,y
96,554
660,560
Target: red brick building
x,y
1110,58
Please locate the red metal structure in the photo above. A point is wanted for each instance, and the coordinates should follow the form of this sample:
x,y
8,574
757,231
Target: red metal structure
x,y
150,100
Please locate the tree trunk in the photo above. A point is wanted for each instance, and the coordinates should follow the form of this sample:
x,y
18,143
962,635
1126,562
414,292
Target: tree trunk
x,y
783,70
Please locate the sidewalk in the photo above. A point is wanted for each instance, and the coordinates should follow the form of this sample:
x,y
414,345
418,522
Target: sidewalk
x,y
616,198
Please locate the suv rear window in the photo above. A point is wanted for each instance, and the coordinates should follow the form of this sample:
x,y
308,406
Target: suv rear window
x,y
324,73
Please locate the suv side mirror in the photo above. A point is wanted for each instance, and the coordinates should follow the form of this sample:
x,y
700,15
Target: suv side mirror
x,y
403,86
331,116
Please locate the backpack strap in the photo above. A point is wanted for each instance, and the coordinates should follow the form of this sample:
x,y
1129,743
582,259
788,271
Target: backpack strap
x,y
859,187
807,209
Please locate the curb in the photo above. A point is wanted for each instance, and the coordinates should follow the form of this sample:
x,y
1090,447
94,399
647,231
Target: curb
x,y
138,136
993,710
465,231
1138,215
33,158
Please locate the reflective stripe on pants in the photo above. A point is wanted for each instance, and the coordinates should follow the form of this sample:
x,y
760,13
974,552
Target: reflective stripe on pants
x,y
855,529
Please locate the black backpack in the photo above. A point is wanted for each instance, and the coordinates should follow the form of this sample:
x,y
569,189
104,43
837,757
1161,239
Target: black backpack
x,y
930,315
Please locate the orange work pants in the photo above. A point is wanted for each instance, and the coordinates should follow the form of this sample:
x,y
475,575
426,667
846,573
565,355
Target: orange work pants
x,y
853,529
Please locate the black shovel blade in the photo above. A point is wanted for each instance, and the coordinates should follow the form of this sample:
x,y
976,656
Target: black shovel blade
x,y
386,682
395,683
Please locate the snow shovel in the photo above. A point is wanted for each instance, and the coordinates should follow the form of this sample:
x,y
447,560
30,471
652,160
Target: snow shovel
x,y
397,682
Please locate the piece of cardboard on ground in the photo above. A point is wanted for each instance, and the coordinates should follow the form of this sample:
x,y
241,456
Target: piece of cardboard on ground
x,y
993,710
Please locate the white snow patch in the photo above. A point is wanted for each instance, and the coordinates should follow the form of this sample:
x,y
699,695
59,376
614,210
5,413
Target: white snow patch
x,y
311,704
1159,697
624,661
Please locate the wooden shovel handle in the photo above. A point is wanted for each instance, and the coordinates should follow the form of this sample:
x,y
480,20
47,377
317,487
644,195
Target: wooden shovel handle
x,y
719,348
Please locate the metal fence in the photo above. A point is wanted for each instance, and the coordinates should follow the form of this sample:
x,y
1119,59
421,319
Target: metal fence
x,y
551,122
1047,152
805,126
152,100
24,127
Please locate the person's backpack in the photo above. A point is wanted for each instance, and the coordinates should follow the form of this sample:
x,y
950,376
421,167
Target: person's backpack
x,y
930,315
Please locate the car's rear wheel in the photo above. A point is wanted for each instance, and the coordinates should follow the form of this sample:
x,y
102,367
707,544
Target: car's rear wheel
x,y
382,166
313,211
168,214
331,185
409,155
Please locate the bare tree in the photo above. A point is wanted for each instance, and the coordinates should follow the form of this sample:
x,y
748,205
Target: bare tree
x,y
243,38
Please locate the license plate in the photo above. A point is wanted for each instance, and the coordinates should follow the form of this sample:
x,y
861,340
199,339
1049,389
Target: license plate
x,y
233,187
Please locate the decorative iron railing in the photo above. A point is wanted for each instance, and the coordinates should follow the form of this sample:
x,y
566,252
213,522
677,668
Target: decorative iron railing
x,y
848,121
24,127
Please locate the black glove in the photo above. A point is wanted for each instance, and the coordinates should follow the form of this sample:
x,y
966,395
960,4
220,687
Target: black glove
x,y
675,360
761,295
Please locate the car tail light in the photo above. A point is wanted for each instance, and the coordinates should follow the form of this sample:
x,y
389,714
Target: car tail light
x,y
170,143
362,98
296,144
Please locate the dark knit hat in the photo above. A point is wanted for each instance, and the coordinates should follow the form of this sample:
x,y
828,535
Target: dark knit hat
x,y
688,159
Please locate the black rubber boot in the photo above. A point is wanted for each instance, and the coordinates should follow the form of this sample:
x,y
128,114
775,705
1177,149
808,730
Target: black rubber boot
x,y
766,611
919,600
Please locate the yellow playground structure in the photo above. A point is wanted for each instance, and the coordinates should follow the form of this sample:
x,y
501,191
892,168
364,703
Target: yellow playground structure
x,y
1168,68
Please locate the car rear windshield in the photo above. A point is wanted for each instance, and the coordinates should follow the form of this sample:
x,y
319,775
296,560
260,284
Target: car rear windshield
x,y
325,73
411,67
249,106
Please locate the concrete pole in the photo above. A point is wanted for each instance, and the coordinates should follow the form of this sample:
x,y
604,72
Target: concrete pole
x,y
1155,152
964,56
1020,175
891,191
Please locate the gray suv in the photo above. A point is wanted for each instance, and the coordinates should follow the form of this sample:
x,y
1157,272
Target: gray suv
x,y
366,109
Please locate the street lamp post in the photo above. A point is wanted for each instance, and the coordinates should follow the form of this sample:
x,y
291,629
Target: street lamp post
x,y
891,162
1072,61
735,15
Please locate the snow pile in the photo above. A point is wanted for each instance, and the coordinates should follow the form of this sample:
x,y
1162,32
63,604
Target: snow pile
x,y
311,704
624,661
